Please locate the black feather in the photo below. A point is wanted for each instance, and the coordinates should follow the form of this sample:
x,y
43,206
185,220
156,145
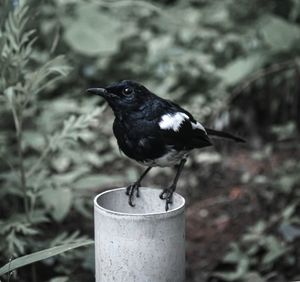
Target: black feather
x,y
223,134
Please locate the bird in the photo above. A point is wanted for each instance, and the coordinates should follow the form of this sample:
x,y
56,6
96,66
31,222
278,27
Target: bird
x,y
154,132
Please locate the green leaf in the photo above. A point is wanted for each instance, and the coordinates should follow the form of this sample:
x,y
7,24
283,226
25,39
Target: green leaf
x,y
41,255
96,180
289,211
47,74
58,201
33,139
237,257
236,275
254,277
275,250
59,279
289,232
9,94
286,130
93,32
287,182
279,34
234,255
237,70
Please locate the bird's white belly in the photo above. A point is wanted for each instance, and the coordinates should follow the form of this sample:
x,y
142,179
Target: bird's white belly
x,y
171,158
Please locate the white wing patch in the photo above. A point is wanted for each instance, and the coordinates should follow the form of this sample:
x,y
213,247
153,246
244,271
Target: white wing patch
x,y
198,125
172,121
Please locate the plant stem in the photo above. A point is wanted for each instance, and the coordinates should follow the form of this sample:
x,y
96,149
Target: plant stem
x,y
33,273
39,161
18,125
22,173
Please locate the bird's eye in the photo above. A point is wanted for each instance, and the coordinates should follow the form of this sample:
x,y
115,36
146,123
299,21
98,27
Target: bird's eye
x,y
127,91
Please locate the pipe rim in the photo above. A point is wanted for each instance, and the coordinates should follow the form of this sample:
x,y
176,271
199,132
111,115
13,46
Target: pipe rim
x,y
165,214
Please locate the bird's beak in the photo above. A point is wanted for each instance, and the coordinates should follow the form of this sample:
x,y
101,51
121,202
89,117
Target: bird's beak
x,y
98,91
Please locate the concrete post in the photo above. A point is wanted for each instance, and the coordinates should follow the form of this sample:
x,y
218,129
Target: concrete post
x,y
142,243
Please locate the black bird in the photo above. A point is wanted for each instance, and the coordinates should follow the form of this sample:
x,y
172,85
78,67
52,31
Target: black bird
x,y
154,131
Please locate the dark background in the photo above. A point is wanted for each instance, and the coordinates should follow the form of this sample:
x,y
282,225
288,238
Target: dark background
x,y
234,64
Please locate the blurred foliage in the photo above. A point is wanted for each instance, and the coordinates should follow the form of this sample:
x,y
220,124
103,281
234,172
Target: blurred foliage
x,y
232,63
268,250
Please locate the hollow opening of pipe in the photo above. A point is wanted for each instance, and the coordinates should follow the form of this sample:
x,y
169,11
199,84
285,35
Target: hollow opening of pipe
x,y
148,202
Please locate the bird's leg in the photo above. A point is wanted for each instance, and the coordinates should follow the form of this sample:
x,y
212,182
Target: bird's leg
x,y
135,187
167,194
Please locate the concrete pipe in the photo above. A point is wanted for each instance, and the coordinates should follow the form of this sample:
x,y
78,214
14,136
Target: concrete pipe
x,y
142,243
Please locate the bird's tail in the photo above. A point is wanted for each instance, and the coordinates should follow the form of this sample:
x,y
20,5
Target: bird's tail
x,y
223,134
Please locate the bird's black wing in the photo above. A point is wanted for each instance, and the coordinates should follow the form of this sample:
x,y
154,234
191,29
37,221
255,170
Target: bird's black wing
x,y
208,131
179,128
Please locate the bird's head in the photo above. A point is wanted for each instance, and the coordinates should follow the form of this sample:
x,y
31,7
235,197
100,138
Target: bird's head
x,y
124,95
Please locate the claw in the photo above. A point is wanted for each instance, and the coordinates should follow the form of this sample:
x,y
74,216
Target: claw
x,y
130,192
167,194
130,202
169,201
162,194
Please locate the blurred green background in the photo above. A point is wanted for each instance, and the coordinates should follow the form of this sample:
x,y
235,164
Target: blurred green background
x,y
234,64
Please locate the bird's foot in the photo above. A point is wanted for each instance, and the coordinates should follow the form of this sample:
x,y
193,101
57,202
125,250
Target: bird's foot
x,y
134,187
167,194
